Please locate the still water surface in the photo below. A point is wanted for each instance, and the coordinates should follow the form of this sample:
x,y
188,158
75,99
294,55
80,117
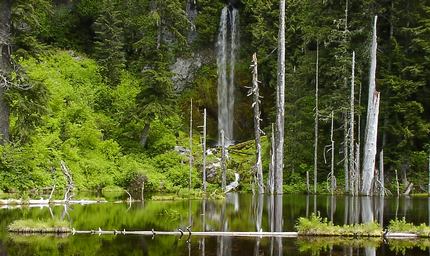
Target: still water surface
x,y
238,212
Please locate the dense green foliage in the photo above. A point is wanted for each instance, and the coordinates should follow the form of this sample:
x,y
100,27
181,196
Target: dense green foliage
x,y
103,99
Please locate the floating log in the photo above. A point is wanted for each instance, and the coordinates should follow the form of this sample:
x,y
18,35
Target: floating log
x,y
400,235
388,235
42,202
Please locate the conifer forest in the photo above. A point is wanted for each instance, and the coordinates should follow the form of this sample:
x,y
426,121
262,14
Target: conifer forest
x,y
303,126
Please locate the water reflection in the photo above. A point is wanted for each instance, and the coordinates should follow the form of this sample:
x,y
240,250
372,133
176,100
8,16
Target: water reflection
x,y
238,212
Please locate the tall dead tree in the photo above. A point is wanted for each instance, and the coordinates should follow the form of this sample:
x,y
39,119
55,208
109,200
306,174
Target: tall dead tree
x,y
5,66
372,122
191,145
429,175
346,121
352,176
255,91
204,150
358,146
271,177
316,122
280,103
381,174
223,161
332,177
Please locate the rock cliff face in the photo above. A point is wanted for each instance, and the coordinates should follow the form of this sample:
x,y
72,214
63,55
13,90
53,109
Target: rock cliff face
x,y
184,71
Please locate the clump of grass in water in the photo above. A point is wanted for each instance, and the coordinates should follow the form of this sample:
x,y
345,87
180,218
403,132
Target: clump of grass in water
x,y
317,226
402,226
40,226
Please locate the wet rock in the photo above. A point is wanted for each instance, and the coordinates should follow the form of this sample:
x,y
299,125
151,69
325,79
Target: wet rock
x,y
184,71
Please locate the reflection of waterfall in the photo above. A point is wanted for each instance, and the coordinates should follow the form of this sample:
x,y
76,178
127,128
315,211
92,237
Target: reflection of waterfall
x,y
227,44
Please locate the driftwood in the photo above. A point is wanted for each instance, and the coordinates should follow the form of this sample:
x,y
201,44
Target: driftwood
x,y
10,203
188,233
408,189
234,184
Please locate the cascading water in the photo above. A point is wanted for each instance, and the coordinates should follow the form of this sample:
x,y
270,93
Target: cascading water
x,y
227,45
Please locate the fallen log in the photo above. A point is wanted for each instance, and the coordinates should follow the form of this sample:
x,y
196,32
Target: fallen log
x,y
189,233
42,202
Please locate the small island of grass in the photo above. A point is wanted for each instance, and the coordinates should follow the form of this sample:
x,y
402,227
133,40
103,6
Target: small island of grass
x,y
40,226
317,226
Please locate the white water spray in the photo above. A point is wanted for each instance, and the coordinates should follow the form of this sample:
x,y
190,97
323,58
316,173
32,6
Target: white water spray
x,y
227,45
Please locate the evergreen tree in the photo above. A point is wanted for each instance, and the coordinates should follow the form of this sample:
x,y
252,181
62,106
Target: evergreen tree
x,y
109,44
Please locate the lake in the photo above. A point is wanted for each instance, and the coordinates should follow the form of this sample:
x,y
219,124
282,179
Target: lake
x,y
237,212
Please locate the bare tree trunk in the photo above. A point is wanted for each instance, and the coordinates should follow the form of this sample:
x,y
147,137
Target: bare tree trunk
x,y
280,102
191,145
145,134
370,148
256,93
316,122
204,151
346,117
381,173
223,161
352,169
270,179
397,183
372,122
307,183
346,149
429,178
332,177
358,146
5,68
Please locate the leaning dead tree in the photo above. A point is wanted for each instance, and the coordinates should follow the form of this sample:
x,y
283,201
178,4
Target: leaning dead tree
x,y
68,194
255,92
280,103
372,122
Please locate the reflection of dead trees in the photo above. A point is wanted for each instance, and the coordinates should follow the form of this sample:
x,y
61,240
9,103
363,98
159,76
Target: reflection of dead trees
x,y
224,242
275,223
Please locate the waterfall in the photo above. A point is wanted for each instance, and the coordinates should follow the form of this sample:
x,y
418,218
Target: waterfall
x,y
227,45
